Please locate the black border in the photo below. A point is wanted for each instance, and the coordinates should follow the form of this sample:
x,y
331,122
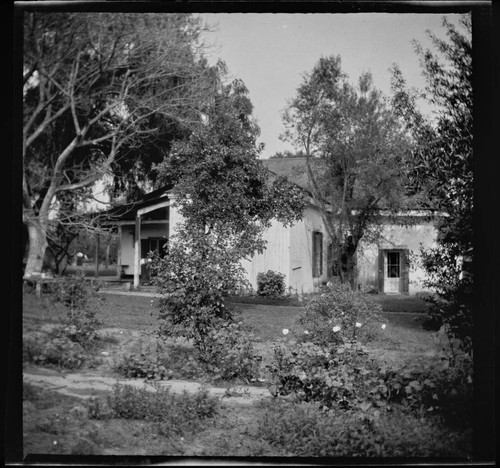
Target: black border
x,y
486,105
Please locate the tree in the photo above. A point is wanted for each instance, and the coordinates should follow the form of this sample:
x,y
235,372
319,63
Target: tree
x,y
288,154
96,86
441,169
227,200
354,149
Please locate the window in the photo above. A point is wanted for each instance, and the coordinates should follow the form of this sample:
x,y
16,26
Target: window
x,y
393,264
317,254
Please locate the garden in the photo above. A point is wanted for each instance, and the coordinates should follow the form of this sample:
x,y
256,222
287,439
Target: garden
x,y
334,375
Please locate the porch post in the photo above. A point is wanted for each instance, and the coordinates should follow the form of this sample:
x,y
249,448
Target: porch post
x,y
137,250
119,254
96,271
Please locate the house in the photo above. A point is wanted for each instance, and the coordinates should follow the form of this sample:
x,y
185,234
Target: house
x,y
299,251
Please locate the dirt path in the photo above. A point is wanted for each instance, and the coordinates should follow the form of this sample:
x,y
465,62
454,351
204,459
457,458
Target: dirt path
x,y
88,384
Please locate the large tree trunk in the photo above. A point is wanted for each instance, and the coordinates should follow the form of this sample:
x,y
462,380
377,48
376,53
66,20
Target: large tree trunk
x,y
36,250
348,264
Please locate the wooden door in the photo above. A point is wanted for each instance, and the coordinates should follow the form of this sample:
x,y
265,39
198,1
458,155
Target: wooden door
x,y
392,270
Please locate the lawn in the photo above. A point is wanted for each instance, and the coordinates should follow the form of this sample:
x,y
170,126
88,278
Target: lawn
x,y
50,424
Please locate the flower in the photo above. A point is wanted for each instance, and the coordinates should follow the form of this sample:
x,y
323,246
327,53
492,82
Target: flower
x,y
285,331
336,328
143,261
358,325
306,332
383,326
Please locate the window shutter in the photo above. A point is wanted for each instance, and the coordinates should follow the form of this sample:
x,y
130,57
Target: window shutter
x,y
381,271
404,279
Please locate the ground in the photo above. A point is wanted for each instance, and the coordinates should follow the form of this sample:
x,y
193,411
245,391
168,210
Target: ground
x,y
55,415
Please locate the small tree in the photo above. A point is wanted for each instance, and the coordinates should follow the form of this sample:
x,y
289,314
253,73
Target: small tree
x,y
227,200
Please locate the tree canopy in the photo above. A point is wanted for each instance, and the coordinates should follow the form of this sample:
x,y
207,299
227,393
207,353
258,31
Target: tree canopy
x,y
354,147
101,91
441,169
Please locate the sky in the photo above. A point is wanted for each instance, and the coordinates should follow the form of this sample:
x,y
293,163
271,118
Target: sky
x,y
270,52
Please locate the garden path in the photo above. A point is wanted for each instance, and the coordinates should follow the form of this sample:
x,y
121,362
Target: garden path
x,y
87,384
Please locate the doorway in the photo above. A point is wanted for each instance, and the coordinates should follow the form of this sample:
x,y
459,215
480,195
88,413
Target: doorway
x,y
393,271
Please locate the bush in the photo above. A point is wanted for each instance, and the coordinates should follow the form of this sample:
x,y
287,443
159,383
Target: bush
x,y
337,314
54,348
228,354
82,303
334,376
270,284
173,413
307,430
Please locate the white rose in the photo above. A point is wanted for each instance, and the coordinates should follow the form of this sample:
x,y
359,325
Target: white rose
x,y
383,326
306,332
285,331
336,328
358,325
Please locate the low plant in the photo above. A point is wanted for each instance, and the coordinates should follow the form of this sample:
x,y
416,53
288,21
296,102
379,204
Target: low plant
x,y
173,413
82,304
52,348
336,314
228,354
271,284
307,429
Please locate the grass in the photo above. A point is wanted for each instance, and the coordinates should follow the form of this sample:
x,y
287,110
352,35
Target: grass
x,y
52,426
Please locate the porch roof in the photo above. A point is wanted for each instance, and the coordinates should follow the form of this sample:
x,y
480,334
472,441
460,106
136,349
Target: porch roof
x,y
128,211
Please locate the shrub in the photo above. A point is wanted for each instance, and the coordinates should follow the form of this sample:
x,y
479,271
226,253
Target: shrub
x,y
337,314
173,413
333,376
307,430
82,303
228,354
53,348
270,284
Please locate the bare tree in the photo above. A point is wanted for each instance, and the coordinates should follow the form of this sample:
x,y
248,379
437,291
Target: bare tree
x,y
92,83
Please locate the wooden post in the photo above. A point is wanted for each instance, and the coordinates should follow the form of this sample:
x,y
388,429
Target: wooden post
x,y
96,272
137,250
119,254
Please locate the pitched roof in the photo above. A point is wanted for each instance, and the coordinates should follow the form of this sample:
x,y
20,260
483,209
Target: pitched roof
x,y
294,169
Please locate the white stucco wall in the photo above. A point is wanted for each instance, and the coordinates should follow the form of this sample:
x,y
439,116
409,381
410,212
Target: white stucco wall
x,y
289,251
397,237
276,257
301,244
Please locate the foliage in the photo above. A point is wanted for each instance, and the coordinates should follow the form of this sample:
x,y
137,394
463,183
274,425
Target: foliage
x,y
54,348
227,201
334,376
441,169
343,376
307,430
228,354
271,283
155,360
174,414
192,280
102,94
339,306
82,303
355,148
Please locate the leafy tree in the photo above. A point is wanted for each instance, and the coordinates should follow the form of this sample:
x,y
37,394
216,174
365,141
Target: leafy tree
x,y
288,154
99,88
441,169
227,201
355,148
